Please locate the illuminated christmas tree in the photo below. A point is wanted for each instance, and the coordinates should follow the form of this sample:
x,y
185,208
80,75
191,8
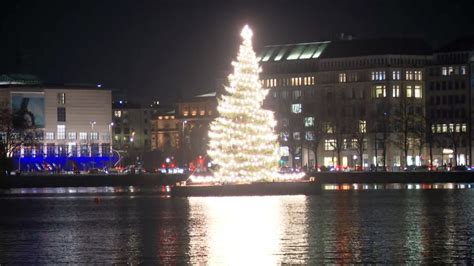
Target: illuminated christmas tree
x,y
242,139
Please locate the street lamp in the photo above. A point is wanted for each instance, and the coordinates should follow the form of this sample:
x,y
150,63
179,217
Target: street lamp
x,y
111,144
92,123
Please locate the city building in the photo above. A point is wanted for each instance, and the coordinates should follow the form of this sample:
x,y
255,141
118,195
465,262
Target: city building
x,y
72,122
348,103
194,116
449,102
165,133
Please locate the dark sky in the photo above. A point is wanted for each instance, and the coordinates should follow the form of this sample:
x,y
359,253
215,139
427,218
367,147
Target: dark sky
x,y
159,49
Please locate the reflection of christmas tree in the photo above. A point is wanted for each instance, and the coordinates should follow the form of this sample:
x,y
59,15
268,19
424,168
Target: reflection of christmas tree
x,y
242,141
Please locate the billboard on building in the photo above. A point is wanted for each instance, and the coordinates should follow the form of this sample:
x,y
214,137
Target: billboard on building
x,y
27,109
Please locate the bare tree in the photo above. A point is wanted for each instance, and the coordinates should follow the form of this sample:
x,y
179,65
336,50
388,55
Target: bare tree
x,y
13,136
402,121
420,132
359,137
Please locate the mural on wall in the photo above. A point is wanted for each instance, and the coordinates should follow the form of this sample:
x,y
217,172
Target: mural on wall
x,y
27,109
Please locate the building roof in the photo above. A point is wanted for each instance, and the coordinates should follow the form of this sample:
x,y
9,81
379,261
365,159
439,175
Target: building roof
x,y
344,48
462,44
19,79
211,94
292,51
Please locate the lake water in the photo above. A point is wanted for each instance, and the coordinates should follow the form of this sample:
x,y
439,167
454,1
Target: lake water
x,y
374,226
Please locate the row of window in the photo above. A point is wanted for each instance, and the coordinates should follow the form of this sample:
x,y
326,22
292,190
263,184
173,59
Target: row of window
x,y
453,70
366,62
447,85
380,91
381,75
409,75
342,78
194,112
61,135
448,99
73,150
294,81
331,144
448,128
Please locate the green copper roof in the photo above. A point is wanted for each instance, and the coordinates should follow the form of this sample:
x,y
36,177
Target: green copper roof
x,y
19,79
292,51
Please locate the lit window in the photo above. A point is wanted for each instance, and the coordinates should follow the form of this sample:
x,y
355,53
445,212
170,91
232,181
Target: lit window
x,y
342,77
296,136
83,135
94,136
328,128
409,75
61,129
396,91
296,108
458,128
450,70
284,151
445,128
418,91
309,121
418,75
329,144
380,91
362,126
185,113
463,128
61,98
409,92
118,113
396,75
284,136
463,70
49,136
451,128
378,75
309,135
71,135
444,71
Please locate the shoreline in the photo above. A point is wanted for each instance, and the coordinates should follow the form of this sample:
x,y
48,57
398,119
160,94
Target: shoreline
x,y
321,182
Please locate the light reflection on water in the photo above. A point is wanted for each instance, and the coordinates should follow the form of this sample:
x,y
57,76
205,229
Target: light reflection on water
x,y
378,226
246,230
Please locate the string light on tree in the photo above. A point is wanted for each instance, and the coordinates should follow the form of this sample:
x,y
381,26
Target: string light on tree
x,y
242,139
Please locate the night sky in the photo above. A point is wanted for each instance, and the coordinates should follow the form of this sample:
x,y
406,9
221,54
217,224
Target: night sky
x,y
164,49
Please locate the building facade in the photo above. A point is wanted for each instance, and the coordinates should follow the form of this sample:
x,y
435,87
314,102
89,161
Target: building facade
x,y
449,102
165,133
194,117
73,123
348,103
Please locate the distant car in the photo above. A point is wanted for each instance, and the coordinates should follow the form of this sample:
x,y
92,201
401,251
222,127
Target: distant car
x,y
460,168
410,168
441,168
